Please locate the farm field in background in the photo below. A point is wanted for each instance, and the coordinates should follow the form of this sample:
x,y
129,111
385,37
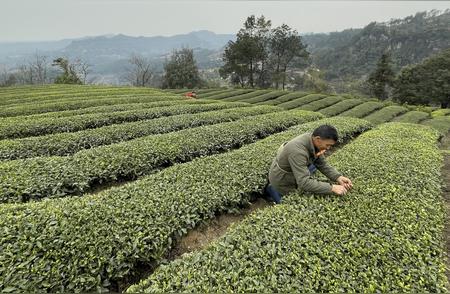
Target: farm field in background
x,y
98,184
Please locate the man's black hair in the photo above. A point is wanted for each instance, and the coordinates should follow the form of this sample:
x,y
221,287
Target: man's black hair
x,y
326,132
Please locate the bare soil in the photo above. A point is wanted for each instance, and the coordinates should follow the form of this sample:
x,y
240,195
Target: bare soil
x,y
209,231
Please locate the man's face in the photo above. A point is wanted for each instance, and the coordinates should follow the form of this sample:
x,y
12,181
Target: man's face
x,y
323,144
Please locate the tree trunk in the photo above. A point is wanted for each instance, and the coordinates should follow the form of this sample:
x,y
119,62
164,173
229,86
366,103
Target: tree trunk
x,y
251,74
284,76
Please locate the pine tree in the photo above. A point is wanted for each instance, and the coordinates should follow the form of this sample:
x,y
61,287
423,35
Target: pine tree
x,y
382,78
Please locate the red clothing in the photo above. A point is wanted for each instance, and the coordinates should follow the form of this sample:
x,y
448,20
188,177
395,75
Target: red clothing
x,y
191,94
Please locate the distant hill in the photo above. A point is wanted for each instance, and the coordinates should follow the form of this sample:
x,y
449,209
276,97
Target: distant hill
x,y
355,52
150,46
351,54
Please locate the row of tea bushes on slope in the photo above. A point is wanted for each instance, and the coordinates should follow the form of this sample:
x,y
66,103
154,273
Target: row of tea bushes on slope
x,y
383,237
413,117
340,107
36,178
322,103
441,112
266,97
248,95
43,249
82,96
363,110
385,114
215,92
70,143
228,94
72,105
440,123
20,129
95,109
284,98
301,101
28,95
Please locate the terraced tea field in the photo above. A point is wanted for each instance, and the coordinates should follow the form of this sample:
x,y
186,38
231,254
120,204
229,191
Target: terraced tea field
x,y
99,184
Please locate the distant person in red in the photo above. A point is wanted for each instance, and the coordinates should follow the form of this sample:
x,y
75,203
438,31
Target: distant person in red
x,y
191,95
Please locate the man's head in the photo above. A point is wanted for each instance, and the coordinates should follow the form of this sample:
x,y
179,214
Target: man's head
x,y
324,137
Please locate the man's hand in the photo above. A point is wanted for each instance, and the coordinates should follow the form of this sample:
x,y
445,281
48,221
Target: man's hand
x,y
343,181
338,189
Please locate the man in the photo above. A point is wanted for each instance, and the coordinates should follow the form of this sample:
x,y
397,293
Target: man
x,y
297,160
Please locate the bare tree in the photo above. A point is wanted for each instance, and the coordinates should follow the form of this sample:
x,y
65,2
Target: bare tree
x,y
140,73
25,74
39,66
81,68
7,78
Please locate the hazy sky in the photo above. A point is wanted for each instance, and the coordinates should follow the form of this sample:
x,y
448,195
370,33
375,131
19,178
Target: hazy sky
x,y
31,20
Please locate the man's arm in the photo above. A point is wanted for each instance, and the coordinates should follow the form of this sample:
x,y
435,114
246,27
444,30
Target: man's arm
x,y
329,171
298,163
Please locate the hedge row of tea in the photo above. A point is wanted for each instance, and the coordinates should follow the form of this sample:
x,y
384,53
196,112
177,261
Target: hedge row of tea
x,y
19,128
332,105
42,177
69,143
85,243
73,104
385,236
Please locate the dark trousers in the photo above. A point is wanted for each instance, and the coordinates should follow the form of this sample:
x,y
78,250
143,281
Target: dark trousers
x,y
274,195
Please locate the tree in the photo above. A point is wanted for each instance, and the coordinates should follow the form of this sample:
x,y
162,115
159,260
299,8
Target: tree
x,y
181,70
83,69
286,49
39,67
425,83
7,78
312,80
245,59
140,73
382,78
69,75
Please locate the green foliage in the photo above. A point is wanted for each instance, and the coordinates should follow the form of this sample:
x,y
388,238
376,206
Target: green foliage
x,y
43,249
265,97
246,58
231,93
181,70
79,93
291,104
413,117
69,75
385,236
48,106
54,176
363,110
261,56
440,112
441,123
215,92
286,51
322,103
70,143
313,80
425,83
340,107
385,114
381,79
247,95
285,98
98,109
18,128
